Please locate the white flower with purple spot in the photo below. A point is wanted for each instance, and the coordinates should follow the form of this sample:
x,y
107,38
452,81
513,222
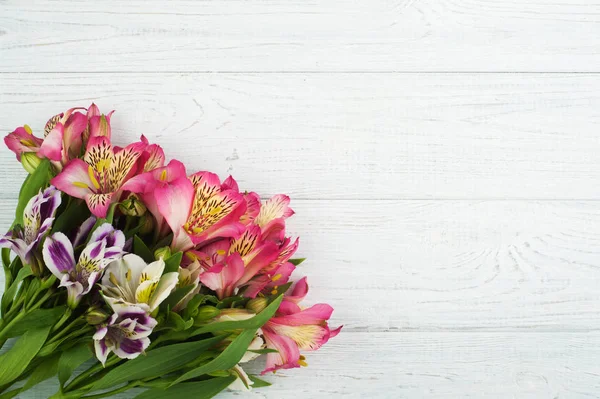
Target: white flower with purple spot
x,y
105,245
125,333
38,217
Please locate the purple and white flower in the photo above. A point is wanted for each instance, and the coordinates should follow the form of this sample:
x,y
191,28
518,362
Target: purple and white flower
x,y
125,333
105,245
38,217
132,282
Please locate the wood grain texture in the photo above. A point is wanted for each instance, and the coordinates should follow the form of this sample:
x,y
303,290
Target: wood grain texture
x,y
319,36
442,157
436,365
347,136
449,265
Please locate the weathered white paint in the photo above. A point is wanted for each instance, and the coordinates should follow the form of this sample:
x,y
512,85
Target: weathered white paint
x,y
348,136
280,35
442,157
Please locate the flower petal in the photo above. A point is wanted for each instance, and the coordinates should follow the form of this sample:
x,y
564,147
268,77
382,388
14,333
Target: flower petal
x,y
74,179
223,278
124,162
287,356
99,203
83,231
52,147
275,208
21,140
165,286
58,254
102,351
316,314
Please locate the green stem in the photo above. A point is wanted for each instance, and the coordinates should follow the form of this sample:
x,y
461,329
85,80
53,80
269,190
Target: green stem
x,y
86,374
63,320
41,301
114,391
8,326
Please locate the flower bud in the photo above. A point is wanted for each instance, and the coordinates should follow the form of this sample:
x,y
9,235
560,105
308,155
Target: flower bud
x,y
207,312
95,316
30,161
132,206
257,305
147,224
235,315
162,253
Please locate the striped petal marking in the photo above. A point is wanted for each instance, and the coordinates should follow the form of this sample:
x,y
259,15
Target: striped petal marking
x,y
210,204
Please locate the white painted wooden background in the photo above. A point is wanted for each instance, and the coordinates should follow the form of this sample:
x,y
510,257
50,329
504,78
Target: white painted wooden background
x,y
443,157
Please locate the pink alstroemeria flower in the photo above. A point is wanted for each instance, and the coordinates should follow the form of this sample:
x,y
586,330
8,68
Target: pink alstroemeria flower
x,y
62,139
197,208
164,183
98,124
293,330
225,277
63,142
99,177
22,140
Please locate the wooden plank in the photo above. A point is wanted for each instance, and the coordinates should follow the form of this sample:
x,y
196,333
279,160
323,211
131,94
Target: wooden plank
x,y
448,265
436,365
347,136
320,35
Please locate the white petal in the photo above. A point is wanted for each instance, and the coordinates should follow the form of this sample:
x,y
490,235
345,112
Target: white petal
x,y
153,271
163,290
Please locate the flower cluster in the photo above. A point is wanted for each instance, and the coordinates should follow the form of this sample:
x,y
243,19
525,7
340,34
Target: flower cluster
x,y
119,251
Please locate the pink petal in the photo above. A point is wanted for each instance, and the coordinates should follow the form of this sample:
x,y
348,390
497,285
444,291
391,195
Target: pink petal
x,y
74,179
21,141
223,278
99,203
174,202
93,110
288,353
74,127
316,314
52,147
230,184
275,208
252,208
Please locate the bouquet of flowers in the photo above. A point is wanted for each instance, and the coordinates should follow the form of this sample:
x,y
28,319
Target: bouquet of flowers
x,y
145,275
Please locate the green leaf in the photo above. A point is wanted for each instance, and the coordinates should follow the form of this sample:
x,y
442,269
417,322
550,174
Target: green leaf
x,y
296,261
226,359
176,296
35,319
263,351
31,186
258,382
141,249
75,213
197,390
10,293
156,363
70,360
10,394
177,323
21,354
252,323
43,371
173,262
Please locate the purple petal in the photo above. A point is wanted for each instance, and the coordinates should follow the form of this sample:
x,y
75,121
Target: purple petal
x,y
96,249
52,200
58,254
131,346
83,231
101,350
